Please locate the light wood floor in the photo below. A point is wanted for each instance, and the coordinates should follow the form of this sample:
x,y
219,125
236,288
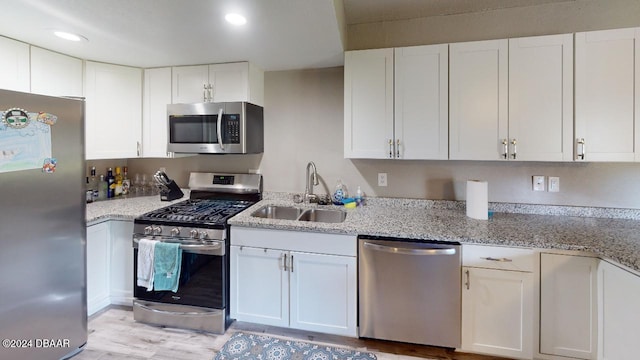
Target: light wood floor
x,y
114,335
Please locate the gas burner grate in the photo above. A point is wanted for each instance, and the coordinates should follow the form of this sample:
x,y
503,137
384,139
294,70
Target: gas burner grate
x,y
197,211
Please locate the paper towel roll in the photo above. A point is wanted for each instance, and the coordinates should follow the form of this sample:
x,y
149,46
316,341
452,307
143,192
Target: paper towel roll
x,y
477,199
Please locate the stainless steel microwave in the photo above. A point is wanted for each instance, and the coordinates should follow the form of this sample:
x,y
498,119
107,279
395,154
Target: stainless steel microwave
x,y
215,128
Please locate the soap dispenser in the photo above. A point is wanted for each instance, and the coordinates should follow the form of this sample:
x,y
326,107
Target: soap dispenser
x,y
340,193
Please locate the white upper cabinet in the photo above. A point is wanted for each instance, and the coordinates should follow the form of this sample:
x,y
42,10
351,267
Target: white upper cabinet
x,y
157,95
227,82
421,122
14,65
396,103
113,120
478,111
368,104
541,98
512,99
55,74
606,95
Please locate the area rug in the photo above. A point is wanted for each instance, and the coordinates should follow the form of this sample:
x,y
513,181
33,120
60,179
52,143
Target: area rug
x,y
242,346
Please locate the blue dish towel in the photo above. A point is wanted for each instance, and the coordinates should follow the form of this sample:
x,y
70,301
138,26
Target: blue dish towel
x,y
167,259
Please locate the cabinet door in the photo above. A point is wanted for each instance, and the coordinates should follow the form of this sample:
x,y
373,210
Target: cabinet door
x,y
14,65
478,100
541,98
97,267
368,104
259,286
55,74
605,94
121,281
568,311
230,82
497,312
189,83
323,293
157,94
421,103
113,123
619,296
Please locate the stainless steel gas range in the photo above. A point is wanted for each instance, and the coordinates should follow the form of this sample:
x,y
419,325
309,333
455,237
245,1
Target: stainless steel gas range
x,y
199,225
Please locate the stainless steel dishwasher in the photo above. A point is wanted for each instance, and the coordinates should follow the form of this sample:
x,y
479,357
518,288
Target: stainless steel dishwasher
x,y
410,291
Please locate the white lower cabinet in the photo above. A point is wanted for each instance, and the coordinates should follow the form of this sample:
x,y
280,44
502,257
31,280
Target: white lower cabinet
x,y
619,315
497,303
568,311
98,245
294,279
109,265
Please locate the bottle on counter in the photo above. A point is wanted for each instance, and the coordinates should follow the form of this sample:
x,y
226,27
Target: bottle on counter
x,y
339,193
89,192
118,180
111,182
103,187
93,183
126,183
359,197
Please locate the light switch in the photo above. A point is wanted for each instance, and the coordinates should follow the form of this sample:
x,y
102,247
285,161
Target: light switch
x,y
554,184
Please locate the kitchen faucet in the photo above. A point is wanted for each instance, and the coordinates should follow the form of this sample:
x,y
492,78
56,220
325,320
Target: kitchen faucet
x,y
309,196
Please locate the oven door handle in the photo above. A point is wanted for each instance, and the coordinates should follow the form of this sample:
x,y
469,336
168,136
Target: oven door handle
x,y
206,249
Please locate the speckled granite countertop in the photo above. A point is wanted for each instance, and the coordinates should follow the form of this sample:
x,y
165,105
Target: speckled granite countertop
x,y
615,235
609,238
126,208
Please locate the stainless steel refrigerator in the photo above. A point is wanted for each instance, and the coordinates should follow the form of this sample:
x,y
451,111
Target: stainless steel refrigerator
x,y
43,308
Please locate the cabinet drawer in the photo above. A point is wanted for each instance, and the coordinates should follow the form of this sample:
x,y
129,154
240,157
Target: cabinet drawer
x,y
495,257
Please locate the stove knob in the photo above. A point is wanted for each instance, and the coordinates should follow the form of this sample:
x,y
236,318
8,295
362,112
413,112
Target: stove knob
x,y
203,235
175,231
193,233
148,230
157,230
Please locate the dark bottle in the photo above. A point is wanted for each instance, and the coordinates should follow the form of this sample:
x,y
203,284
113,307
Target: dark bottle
x,y
111,184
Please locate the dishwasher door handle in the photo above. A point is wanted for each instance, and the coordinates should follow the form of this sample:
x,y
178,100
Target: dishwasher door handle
x,y
410,251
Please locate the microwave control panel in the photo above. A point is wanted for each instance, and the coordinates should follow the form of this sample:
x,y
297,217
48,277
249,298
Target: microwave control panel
x,y
232,129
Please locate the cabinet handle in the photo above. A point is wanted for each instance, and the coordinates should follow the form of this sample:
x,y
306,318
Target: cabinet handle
x,y
513,142
138,148
468,283
390,148
291,265
284,262
505,145
582,149
204,93
210,88
496,259
398,149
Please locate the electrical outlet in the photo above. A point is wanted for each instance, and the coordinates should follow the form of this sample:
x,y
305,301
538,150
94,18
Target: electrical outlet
x,y
538,183
554,184
382,179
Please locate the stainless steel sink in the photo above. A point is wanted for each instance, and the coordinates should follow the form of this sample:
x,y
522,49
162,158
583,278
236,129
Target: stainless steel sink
x,y
323,215
277,212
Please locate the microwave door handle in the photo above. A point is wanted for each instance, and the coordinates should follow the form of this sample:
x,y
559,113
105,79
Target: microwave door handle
x,y
219,133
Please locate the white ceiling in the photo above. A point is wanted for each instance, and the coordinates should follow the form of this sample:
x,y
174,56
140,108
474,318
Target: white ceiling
x,y
279,35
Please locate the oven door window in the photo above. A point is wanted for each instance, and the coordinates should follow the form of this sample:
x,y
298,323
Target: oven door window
x,y
193,129
201,282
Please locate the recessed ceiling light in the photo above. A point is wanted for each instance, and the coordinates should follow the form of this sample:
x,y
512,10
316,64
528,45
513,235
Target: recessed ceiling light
x,y
235,19
69,36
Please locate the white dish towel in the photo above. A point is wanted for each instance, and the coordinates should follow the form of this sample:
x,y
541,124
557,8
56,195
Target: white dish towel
x,y
145,263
